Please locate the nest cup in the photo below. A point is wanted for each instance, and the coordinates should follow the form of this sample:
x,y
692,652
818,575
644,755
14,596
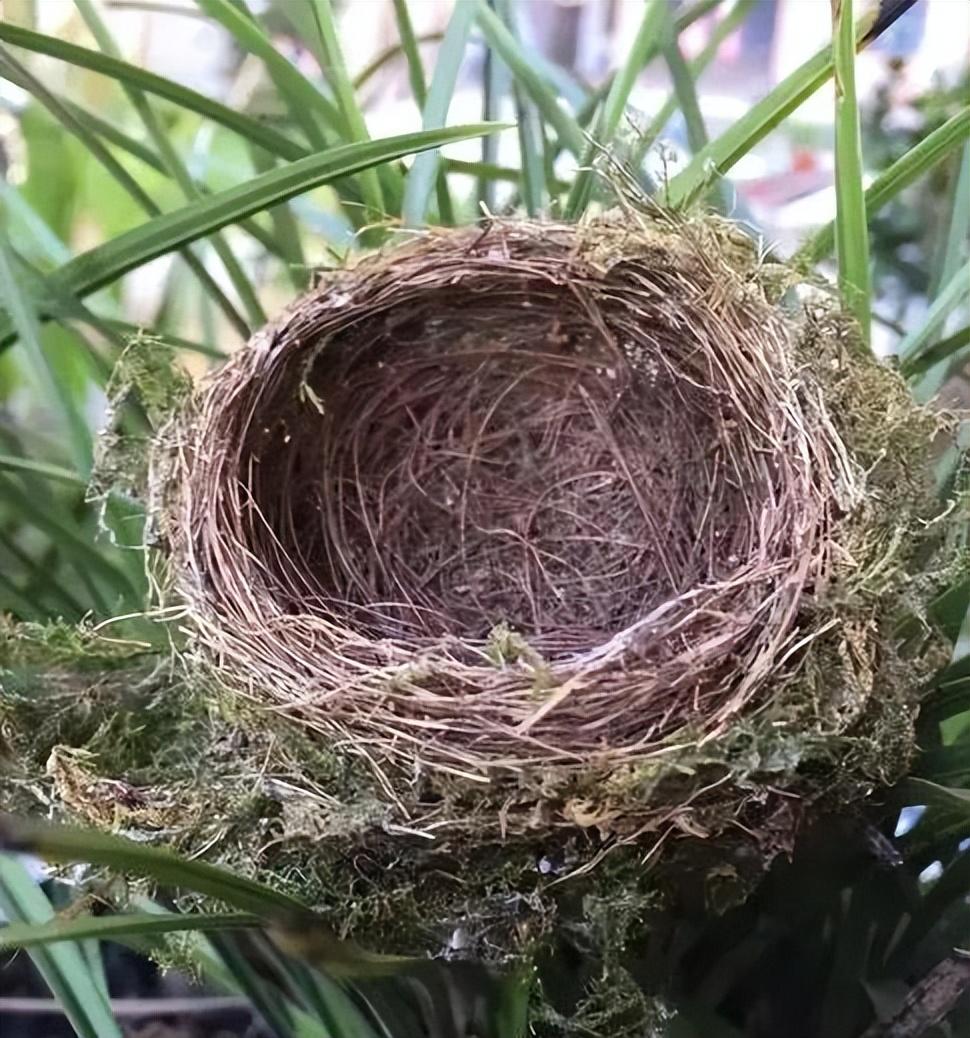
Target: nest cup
x,y
518,497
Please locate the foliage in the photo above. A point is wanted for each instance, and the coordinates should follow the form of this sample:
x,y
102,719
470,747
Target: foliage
x,y
236,205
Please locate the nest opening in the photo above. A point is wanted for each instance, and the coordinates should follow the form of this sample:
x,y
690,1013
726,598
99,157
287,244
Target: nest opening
x,y
477,459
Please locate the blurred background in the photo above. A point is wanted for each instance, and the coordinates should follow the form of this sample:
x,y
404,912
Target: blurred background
x,y
910,81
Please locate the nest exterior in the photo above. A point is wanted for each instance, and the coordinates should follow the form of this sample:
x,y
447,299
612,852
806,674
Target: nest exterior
x,y
556,508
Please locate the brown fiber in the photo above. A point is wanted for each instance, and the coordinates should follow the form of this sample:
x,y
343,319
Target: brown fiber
x,y
513,495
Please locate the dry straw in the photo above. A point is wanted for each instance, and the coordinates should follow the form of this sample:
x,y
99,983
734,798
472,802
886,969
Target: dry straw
x,y
526,497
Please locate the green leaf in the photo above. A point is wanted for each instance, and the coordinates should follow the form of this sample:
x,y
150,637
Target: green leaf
x,y
508,48
918,160
304,101
926,792
63,967
116,927
952,295
412,54
13,69
531,137
43,588
421,177
955,246
60,843
724,28
47,372
253,130
332,62
90,564
105,263
273,242
43,469
174,164
851,229
646,44
949,348
721,154
408,46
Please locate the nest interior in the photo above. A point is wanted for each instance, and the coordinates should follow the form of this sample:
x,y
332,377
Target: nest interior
x,y
528,497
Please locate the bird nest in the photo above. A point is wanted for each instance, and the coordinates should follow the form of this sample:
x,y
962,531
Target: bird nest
x,y
526,497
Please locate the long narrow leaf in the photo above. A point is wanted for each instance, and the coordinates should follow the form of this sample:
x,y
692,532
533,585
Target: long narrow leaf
x,y
724,28
8,66
253,130
332,61
63,967
78,548
646,45
42,468
508,48
851,229
722,153
952,348
115,927
952,295
421,177
105,263
531,138
272,243
28,331
174,164
60,843
955,245
305,102
921,158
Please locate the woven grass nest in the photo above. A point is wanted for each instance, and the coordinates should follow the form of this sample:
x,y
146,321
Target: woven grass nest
x,y
525,503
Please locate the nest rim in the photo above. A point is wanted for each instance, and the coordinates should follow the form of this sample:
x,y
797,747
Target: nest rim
x,y
434,702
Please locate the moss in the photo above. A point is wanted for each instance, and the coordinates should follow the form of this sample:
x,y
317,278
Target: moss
x,y
552,866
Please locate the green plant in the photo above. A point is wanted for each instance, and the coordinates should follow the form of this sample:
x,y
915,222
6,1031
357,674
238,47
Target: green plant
x,y
161,170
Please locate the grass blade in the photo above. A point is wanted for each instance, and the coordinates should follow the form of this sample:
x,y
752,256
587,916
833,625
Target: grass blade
x,y
63,967
46,371
722,153
949,348
851,229
173,164
955,245
115,927
918,160
43,469
13,69
225,963
724,28
335,68
684,89
952,295
276,243
510,51
85,557
419,92
412,54
253,130
645,46
421,176
60,843
105,263
304,101
531,138
408,46
42,587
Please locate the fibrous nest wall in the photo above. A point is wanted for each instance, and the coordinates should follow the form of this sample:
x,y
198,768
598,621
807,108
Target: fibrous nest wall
x,y
524,500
